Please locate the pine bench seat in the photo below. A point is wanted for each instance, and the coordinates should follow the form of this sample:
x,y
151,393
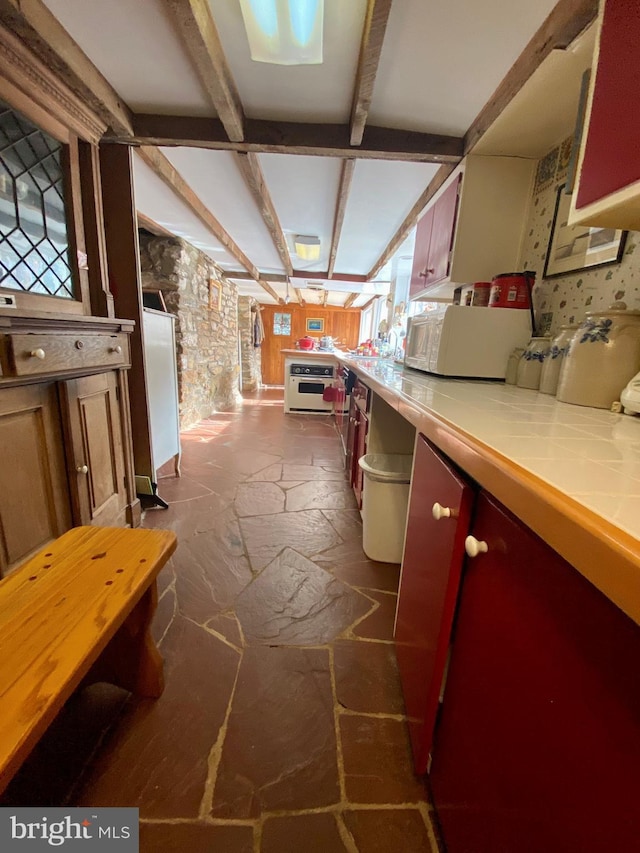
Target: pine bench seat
x,y
79,611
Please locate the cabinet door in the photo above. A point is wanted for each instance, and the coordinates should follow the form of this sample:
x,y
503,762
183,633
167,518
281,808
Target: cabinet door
x,y
442,233
610,161
362,433
96,463
351,438
431,567
421,254
34,492
538,742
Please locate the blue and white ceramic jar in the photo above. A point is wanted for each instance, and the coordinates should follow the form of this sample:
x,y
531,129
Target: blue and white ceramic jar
x,y
603,355
553,362
531,361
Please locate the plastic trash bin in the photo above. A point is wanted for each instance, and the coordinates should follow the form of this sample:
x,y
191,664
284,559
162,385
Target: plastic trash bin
x,y
384,504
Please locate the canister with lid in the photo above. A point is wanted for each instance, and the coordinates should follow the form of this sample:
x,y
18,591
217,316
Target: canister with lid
x,y
531,361
550,373
603,355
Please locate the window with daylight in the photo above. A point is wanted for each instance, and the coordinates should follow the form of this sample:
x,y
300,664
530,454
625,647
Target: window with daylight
x,y
34,248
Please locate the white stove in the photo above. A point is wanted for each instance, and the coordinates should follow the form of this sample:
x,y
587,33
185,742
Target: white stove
x,y
305,385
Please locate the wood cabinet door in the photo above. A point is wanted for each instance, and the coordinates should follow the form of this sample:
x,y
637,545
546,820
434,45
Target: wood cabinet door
x,y
431,568
538,741
362,433
421,254
442,234
34,491
96,455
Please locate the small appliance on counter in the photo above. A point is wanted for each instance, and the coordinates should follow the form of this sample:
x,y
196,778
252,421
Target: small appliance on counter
x,y
466,341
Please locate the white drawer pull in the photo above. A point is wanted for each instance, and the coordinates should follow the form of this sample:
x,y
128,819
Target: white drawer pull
x,y
82,469
439,511
37,353
117,349
474,546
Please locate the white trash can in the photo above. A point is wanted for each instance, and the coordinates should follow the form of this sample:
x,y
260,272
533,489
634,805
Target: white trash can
x,y
385,498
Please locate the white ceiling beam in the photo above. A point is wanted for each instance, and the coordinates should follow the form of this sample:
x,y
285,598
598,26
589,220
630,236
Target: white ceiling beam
x,y
346,176
370,49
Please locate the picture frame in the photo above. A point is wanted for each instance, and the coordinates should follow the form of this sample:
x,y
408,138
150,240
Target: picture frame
x,y
215,295
573,248
315,324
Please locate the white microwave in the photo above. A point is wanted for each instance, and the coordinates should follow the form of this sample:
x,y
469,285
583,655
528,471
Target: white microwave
x,y
466,341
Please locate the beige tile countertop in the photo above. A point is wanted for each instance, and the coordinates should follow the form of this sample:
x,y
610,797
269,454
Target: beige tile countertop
x,y
571,473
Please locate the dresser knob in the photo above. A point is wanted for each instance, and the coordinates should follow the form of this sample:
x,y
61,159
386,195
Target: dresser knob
x,y
82,469
474,546
117,349
439,511
37,353
79,344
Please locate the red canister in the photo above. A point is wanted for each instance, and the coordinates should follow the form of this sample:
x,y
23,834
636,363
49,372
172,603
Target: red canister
x,y
511,290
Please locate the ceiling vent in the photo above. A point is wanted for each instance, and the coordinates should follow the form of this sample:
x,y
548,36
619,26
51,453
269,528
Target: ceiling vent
x,y
312,285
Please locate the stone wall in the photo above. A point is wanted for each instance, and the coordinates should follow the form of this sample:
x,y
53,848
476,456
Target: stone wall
x,y
250,355
206,326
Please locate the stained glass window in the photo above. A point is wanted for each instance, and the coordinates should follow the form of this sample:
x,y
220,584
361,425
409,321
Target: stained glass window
x,y
34,248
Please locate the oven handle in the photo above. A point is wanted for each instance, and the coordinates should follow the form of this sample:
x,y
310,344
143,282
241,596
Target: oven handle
x,y
315,379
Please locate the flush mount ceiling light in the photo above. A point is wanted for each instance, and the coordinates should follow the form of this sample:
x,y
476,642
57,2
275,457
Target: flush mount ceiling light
x,y
307,248
284,32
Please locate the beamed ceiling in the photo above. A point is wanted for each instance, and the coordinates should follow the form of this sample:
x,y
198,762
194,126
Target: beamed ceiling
x,y
238,157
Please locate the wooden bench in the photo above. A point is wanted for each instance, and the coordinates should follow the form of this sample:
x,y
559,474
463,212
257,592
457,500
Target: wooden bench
x,y
79,611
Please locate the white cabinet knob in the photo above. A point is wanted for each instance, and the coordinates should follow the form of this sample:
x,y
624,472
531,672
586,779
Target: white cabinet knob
x,y
117,349
474,546
439,511
82,469
37,353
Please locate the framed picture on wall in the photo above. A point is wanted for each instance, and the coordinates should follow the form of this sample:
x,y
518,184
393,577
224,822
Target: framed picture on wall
x,y
315,325
215,295
578,247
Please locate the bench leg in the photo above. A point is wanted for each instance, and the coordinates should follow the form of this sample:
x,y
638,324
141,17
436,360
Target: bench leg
x,y
131,660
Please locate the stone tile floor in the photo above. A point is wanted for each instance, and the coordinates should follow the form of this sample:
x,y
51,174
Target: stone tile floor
x,y
281,728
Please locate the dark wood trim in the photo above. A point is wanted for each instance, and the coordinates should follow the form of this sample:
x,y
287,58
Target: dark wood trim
x,y
75,223
323,140
370,49
411,218
346,176
152,226
121,230
241,275
351,298
101,298
251,170
194,22
324,276
368,303
270,290
567,20
93,104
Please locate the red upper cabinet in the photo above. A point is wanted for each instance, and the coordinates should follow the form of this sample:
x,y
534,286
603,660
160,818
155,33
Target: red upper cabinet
x,y
421,253
434,238
607,191
438,521
538,742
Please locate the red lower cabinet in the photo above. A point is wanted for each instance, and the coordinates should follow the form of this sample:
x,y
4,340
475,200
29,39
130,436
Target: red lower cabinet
x,y
538,742
431,566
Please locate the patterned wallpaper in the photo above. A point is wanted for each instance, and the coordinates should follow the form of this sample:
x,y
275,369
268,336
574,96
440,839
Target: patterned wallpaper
x,y
567,298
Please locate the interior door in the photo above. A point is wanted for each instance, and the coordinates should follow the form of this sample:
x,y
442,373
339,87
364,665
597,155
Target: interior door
x,y
96,463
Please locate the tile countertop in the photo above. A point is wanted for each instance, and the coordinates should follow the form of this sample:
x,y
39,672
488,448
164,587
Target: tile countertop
x,y
571,473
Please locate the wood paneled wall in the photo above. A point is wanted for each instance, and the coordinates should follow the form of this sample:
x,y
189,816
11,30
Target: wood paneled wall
x,y
343,325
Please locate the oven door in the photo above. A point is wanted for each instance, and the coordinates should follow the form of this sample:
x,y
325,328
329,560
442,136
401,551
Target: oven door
x,y
304,394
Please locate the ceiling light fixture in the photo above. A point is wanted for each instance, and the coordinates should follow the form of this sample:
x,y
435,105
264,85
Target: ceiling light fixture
x,y
307,247
287,298
284,32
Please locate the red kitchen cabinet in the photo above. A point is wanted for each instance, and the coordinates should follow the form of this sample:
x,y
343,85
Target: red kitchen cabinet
x,y
438,521
607,191
362,433
357,434
434,239
538,741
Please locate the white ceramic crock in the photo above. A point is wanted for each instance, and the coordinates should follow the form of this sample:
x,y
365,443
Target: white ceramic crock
x,y
550,373
531,361
603,355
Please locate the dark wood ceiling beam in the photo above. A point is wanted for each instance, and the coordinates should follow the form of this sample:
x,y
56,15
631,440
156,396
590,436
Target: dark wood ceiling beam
x,y
322,140
325,298
323,276
253,175
152,226
370,49
351,298
42,33
410,220
298,294
346,176
173,179
567,20
278,278
194,22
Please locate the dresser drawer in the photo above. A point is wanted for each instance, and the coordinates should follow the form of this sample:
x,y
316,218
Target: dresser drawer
x,y
28,355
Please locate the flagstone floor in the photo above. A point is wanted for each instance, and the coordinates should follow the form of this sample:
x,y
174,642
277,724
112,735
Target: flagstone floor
x,y
281,728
